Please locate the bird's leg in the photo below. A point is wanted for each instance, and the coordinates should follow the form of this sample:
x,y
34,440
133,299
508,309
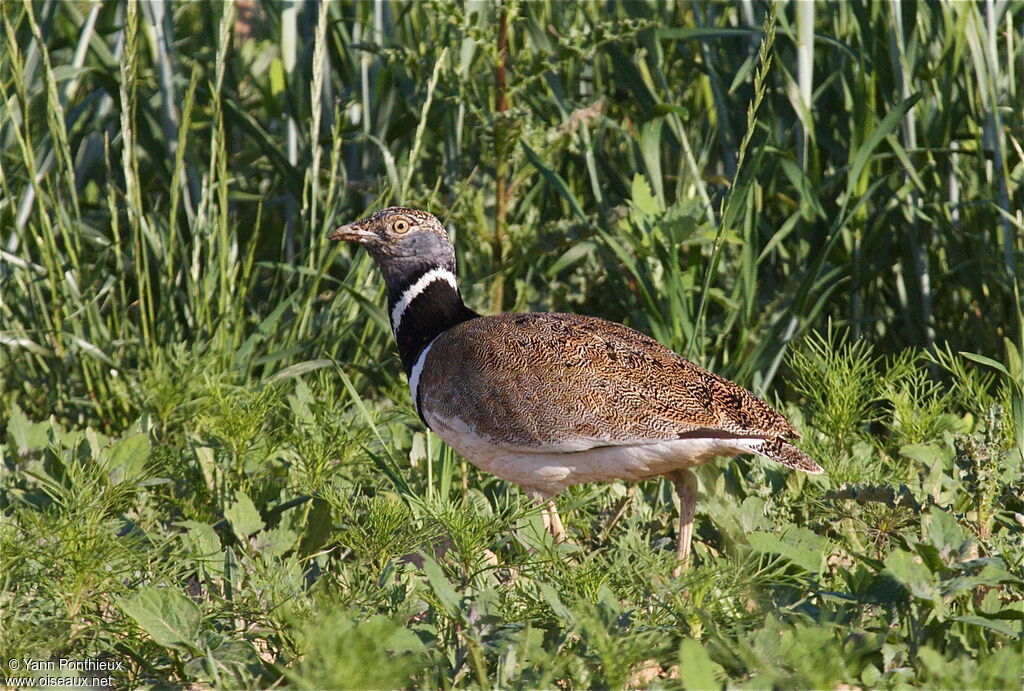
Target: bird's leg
x,y
686,487
554,522
549,514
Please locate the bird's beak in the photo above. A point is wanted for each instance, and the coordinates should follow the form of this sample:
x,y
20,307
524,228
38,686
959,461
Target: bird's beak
x,y
353,232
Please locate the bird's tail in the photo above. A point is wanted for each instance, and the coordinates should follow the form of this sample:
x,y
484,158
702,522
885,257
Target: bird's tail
x,y
781,451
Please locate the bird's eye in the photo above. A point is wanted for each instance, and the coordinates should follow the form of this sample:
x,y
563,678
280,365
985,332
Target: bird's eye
x,y
400,226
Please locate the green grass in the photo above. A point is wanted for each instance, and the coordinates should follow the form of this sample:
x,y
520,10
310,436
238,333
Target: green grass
x,y
210,470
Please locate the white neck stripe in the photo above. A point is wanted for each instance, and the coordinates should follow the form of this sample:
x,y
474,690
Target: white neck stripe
x,y
417,370
414,291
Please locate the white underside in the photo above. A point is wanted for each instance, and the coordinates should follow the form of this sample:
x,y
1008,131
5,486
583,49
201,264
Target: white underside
x,y
547,471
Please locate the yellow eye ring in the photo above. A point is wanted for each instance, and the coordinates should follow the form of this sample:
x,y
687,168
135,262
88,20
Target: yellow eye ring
x,y
400,226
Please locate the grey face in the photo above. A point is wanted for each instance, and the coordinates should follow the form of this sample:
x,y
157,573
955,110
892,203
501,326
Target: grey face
x,y
402,241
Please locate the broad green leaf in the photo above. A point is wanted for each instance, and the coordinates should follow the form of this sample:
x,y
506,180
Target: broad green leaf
x,y
926,454
909,570
870,676
396,639
275,543
994,624
930,555
227,663
991,575
243,516
168,616
25,434
18,427
696,669
127,458
1014,362
201,540
752,515
550,595
807,558
446,594
641,197
341,651
944,531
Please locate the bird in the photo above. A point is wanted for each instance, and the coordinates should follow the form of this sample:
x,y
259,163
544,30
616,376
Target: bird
x,y
547,400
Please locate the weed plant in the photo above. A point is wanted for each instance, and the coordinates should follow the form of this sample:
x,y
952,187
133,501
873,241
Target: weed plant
x,y
210,470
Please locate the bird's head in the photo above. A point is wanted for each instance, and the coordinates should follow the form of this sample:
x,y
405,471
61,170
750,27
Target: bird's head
x,y
402,241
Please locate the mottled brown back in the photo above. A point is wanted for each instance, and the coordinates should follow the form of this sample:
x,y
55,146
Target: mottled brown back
x,y
572,382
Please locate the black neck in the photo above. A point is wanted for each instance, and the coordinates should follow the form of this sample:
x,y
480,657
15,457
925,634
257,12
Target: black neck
x,y
436,309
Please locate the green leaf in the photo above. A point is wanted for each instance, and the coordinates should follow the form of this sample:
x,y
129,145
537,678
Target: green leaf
x,y
651,151
127,458
666,108
17,428
342,652
203,545
24,434
909,570
446,594
641,197
275,543
243,516
276,77
901,155
793,547
884,128
930,555
926,454
385,463
696,669
705,33
944,531
298,369
994,624
1014,362
575,254
230,661
981,359
742,73
555,180
170,618
992,574
550,595
396,639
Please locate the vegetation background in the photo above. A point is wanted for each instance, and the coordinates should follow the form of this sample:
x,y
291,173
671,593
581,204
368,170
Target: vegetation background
x,y
211,471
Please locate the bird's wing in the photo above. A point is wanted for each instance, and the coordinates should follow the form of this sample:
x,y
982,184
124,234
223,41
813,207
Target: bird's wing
x,y
564,382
